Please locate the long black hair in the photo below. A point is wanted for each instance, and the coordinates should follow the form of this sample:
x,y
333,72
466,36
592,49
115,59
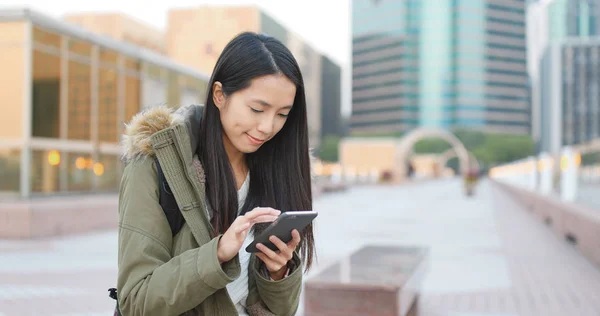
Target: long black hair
x,y
280,174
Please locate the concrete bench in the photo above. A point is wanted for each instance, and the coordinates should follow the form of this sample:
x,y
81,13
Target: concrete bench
x,y
375,280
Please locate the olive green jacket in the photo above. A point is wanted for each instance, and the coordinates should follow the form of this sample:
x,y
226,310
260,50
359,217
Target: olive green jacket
x,y
161,274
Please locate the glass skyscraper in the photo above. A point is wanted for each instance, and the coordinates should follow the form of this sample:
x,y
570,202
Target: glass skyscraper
x,y
569,91
431,63
574,18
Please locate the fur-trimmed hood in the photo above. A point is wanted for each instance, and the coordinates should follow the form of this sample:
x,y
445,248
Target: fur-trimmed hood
x,y
136,140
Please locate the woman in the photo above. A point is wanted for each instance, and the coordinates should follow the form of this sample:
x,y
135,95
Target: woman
x,y
232,166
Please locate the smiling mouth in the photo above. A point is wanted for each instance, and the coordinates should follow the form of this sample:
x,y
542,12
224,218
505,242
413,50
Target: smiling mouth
x,y
254,140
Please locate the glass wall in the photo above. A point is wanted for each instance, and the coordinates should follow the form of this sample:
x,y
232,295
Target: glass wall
x,y
154,86
82,94
133,99
45,94
79,101
108,80
10,170
45,170
80,171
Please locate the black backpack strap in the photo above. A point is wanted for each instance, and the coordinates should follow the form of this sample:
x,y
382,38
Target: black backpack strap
x,y
168,203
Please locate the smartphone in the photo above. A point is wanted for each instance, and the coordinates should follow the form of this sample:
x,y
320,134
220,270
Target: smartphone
x,y
282,228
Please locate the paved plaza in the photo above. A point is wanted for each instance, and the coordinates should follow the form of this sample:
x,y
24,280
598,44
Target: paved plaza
x,y
488,256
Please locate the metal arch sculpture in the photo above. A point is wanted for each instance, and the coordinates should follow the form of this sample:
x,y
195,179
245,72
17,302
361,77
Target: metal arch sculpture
x,y
407,142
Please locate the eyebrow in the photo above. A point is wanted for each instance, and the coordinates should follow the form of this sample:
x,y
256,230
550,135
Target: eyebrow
x,y
265,103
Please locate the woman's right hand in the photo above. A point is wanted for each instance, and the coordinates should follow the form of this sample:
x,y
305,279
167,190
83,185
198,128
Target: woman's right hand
x,y
233,239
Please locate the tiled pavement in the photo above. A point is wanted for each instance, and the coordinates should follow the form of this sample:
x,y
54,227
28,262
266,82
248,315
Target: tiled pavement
x,y
489,257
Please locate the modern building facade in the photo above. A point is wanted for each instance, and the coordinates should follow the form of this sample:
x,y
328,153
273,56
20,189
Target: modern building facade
x,y
331,98
570,82
121,27
197,36
551,24
67,94
444,64
538,29
574,18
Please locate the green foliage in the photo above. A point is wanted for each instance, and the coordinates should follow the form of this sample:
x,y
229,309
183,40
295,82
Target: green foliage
x,y
431,146
377,135
328,151
590,158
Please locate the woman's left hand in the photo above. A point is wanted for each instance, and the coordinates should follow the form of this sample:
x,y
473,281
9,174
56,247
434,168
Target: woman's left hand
x,y
276,261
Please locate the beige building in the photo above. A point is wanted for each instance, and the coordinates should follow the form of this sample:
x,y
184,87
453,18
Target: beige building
x,y
66,95
122,28
196,36
369,153
385,155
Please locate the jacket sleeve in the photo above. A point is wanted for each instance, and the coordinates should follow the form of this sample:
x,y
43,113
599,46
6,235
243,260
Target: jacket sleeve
x,y
151,281
268,297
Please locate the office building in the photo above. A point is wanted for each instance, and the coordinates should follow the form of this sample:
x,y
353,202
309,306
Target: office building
x,y
574,18
66,95
550,23
445,64
331,98
538,28
570,79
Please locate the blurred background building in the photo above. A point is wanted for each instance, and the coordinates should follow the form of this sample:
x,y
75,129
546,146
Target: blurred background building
x,y
72,84
567,97
70,92
440,64
570,94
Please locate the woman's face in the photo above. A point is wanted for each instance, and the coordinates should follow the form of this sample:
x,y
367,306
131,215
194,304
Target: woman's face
x,y
253,116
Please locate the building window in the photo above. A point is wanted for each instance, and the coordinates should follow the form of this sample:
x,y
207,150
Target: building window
x,y
79,102
10,169
46,95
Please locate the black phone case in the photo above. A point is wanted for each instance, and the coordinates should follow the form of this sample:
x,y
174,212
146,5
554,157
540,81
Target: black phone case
x,y
282,228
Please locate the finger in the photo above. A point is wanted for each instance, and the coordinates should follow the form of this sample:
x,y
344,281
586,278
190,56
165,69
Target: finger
x,y
271,264
284,249
295,239
241,227
259,211
271,254
265,259
264,219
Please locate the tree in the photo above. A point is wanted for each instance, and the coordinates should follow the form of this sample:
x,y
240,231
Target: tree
x,y
431,146
328,151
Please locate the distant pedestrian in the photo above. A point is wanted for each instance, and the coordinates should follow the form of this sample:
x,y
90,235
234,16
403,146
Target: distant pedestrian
x,y
232,166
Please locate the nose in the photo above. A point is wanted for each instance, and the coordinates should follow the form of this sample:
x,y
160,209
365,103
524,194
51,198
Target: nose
x,y
265,125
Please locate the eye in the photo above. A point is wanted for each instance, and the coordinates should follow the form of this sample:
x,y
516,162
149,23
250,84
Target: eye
x,y
284,115
255,110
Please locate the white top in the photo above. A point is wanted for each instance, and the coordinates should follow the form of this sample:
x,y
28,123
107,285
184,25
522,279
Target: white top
x,y
238,289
